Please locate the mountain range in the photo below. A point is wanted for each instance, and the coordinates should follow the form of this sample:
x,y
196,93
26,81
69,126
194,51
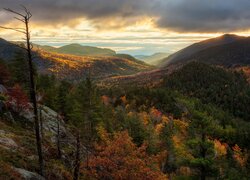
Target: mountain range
x,y
209,49
228,51
73,62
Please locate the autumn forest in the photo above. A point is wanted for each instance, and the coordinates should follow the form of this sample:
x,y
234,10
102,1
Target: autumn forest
x,y
79,111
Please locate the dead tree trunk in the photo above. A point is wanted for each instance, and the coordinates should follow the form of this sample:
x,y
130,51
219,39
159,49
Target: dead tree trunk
x,y
41,123
24,18
59,153
77,158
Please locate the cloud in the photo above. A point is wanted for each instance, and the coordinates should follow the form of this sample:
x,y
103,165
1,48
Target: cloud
x,y
176,15
205,15
63,11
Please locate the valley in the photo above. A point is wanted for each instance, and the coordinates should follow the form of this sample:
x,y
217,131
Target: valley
x,y
105,112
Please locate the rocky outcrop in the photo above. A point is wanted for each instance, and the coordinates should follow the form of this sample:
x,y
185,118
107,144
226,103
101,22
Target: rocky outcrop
x,y
3,90
6,141
27,175
50,120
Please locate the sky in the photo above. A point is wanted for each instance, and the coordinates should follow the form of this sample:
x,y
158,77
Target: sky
x,y
137,27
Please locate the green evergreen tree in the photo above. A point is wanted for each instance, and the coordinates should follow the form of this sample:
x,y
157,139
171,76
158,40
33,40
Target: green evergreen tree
x,y
19,70
200,146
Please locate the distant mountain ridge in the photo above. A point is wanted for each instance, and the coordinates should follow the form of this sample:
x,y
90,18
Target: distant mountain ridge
x,y
153,59
191,50
75,68
228,51
79,50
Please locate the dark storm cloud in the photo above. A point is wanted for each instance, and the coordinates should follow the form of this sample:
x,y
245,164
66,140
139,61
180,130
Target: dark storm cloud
x,y
205,15
63,10
179,15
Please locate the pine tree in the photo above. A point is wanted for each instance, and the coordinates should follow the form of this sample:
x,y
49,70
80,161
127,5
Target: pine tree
x,y
19,68
201,147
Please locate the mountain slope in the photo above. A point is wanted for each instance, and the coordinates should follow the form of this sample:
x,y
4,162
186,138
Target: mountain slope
x,y
79,50
233,54
154,59
229,51
195,48
74,67
7,49
227,89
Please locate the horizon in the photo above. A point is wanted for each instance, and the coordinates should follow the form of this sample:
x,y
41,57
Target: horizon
x,y
139,27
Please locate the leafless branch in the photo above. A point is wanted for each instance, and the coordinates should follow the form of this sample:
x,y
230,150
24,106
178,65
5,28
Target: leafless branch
x,y
13,29
28,14
25,17
31,46
17,13
20,19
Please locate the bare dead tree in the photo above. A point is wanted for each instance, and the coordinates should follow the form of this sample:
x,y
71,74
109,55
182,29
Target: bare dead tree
x,y
59,153
41,123
77,157
25,19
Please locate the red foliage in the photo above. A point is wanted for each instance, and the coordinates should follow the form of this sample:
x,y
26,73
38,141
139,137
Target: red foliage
x,y
18,100
120,158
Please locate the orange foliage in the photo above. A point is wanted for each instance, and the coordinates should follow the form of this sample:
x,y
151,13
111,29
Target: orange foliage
x,y
165,119
124,100
220,148
144,117
155,114
182,126
105,100
158,127
239,156
120,158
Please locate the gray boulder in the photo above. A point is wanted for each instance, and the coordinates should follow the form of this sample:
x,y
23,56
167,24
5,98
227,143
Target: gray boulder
x,y
3,90
27,175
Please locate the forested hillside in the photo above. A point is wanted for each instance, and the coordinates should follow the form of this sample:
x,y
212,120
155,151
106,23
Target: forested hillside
x,y
77,67
190,51
227,89
227,55
78,50
196,126
73,67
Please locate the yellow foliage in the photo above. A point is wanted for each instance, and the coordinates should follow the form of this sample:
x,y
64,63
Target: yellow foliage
x,y
220,148
165,119
144,118
103,134
181,125
179,146
184,170
177,141
158,128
